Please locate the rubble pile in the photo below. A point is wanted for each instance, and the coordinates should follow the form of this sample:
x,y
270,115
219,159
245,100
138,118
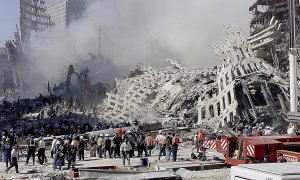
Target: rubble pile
x,y
243,90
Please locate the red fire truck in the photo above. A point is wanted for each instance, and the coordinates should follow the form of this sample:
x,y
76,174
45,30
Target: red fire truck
x,y
244,150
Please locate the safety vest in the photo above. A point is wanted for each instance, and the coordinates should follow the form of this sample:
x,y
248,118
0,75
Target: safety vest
x,y
200,136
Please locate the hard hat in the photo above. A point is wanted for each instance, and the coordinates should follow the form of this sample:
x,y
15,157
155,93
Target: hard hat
x,y
7,139
81,137
106,135
159,132
101,135
3,137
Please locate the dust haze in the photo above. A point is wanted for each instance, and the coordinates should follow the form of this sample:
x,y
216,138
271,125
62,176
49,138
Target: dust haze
x,y
134,32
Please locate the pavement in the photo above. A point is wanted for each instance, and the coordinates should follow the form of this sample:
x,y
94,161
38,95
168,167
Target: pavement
x,y
37,171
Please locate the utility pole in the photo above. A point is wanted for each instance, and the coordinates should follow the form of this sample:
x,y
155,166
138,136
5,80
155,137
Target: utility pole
x,y
293,54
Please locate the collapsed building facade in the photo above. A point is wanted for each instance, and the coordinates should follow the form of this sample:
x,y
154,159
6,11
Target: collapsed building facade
x,y
264,11
243,89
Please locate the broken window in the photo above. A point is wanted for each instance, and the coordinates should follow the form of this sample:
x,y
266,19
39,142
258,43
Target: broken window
x,y
226,79
203,113
219,108
211,111
229,97
231,117
238,71
221,84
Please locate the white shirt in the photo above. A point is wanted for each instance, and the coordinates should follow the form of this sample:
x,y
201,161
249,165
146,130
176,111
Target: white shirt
x,y
41,144
53,144
14,153
290,130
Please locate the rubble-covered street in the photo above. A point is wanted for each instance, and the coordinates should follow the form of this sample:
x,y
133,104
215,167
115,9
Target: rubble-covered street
x,y
68,110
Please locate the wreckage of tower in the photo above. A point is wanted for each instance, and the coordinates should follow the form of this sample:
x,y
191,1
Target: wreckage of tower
x,y
243,89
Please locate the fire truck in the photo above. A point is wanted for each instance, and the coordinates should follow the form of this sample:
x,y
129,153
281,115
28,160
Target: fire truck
x,y
244,150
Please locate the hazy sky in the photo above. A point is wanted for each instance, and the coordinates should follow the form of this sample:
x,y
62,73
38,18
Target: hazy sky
x,y
9,17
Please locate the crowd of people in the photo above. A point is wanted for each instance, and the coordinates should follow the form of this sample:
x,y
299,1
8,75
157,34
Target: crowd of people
x,y
66,149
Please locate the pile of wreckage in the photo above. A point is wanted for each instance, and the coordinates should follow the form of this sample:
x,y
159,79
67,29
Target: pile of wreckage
x,y
243,90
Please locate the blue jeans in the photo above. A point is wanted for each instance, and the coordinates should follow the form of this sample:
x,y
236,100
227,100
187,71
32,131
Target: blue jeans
x,y
56,161
168,153
126,155
174,151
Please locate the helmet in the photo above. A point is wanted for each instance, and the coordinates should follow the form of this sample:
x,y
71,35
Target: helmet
x,y
7,139
159,132
101,135
106,135
3,137
81,137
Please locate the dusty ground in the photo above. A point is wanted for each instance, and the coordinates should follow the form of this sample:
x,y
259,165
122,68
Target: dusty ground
x,y
183,154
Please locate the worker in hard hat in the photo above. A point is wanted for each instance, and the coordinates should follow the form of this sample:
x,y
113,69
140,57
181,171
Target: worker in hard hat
x,y
107,146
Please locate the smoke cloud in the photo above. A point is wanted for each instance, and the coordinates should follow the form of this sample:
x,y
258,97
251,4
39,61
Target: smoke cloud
x,y
138,32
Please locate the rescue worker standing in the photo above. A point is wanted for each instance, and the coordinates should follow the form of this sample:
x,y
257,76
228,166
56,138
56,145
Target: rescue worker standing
x,y
168,146
149,144
162,140
71,155
200,139
175,141
7,151
125,148
81,148
14,159
100,143
117,141
107,145
31,149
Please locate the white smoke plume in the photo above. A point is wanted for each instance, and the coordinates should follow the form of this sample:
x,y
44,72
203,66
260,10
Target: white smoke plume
x,y
139,32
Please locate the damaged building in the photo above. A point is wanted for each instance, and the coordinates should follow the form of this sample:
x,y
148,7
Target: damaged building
x,y
243,89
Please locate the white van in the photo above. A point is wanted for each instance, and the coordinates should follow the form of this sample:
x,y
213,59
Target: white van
x,y
266,171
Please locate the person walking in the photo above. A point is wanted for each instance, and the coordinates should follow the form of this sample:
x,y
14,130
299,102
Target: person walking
x,y
7,151
41,151
168,146
58,153
53,146
175,141
31,149
125,148
162,140
14,159
149,144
